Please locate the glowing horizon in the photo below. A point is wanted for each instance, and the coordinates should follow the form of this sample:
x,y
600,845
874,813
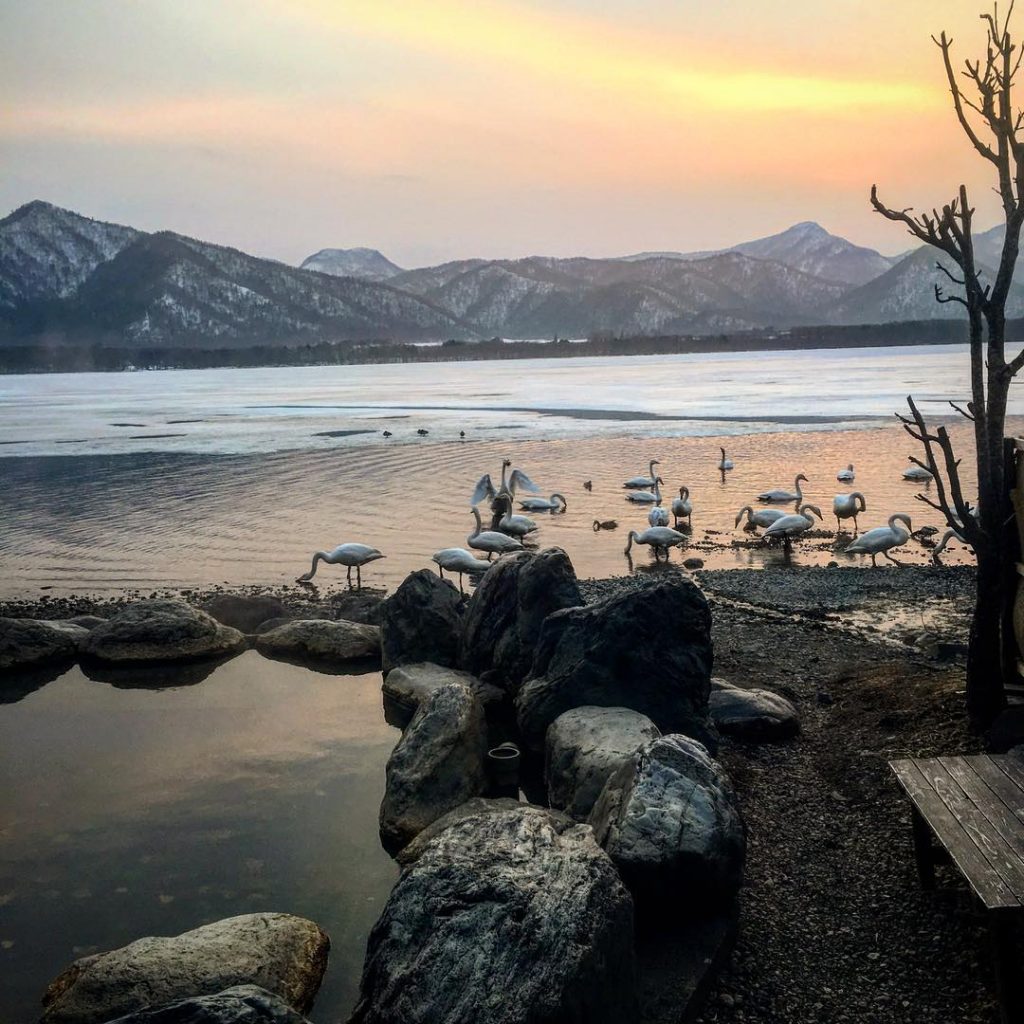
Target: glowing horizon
x,y
496,128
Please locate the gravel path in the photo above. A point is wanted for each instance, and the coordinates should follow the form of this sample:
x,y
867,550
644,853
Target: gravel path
x,y
833,926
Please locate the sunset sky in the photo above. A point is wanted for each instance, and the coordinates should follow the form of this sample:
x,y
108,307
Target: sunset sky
x,y
450,128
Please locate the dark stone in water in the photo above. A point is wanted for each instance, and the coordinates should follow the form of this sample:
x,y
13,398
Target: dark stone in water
x,y
648,649
242,1004
436,765
421,622
284,954
507,917
505,615
160,631
243,612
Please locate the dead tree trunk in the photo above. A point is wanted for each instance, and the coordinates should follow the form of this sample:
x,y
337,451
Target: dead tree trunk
x,y
986,114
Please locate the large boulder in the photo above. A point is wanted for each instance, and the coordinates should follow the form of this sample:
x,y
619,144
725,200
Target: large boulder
x,y
509,917
405,688
241,1004
437,764
244,612
755,715
33,643
421,622
163,630
321,640
478,805
283,954
668,818
647,649
584,747
508,608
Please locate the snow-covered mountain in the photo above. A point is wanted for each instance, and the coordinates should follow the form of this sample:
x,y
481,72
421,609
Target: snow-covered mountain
x,y
67,277
806,246
907,292
47,252
368,264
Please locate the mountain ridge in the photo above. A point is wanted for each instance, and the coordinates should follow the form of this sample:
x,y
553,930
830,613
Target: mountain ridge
x,y
66,276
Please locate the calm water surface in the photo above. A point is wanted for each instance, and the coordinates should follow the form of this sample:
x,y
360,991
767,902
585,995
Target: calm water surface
x,y
128,811
179,478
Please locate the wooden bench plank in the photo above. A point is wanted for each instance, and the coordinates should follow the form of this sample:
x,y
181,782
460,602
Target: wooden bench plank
x,y
1012,767
976,824
980,874
999,782
991,791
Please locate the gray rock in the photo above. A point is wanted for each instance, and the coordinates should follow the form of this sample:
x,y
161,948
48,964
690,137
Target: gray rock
x,y
421,622
320,640
505,615
584,747
648,649
437,764
358,606
244,612
283,954
512,917
241,1004
478,805
408,686
35,643
156,631
279,620
756,715
87,621
669,820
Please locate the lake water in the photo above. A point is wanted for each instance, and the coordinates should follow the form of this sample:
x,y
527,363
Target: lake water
x,y
128,811
182,478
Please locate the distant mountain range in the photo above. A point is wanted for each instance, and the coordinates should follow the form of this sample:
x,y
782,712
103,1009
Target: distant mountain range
x,y
65,278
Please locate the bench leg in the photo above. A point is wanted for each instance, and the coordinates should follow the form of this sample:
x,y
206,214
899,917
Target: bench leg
x,y
1007,969
924,852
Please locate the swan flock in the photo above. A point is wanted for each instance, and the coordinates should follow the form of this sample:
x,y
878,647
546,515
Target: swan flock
x,y
509,531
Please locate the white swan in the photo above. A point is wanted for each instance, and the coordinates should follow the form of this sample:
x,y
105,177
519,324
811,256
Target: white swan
x,y
682,507
513,525
763,517
658,516
661,538
789,527
544,504
952,534
644,481
846,475
848,506
491,541
725,463
882,539
796,494
356,555
459,560
485,488
647,497
916,472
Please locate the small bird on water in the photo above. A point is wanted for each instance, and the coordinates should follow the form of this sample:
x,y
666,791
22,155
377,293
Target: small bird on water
x,y
422,432
588,485
605,524
387,433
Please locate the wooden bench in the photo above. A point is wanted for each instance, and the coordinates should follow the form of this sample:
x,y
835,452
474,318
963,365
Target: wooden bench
x,y
974,808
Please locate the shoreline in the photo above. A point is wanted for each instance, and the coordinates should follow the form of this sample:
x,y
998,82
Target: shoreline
x,y
886,604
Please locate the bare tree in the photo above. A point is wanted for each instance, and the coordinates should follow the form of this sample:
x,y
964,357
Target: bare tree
x,y
983,100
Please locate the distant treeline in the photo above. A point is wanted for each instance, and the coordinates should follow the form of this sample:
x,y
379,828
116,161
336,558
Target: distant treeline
x,y
46,357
